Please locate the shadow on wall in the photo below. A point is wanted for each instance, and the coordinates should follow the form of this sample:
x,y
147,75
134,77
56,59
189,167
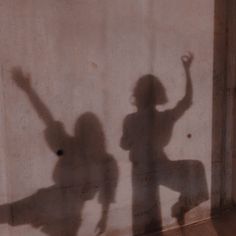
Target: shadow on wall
x,y
145,134
83,169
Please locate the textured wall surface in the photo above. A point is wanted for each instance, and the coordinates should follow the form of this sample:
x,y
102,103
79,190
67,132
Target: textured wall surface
x,y
86,56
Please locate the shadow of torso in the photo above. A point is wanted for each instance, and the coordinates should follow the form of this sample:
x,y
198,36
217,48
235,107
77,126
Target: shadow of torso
x,y
79,175
145,135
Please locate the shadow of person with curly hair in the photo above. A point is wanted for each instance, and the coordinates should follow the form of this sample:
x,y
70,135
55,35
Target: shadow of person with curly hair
x,y
145,134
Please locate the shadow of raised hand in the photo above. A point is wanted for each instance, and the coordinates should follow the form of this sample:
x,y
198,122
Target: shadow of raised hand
x,y
21,79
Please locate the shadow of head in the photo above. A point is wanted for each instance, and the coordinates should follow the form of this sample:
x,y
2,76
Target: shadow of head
x,y
89,132
149,92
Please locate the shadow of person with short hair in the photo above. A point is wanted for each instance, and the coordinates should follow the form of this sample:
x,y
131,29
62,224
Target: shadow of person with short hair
x,y
83,169
145,134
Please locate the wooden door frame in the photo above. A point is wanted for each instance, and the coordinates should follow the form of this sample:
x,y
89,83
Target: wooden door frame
x,y
224,107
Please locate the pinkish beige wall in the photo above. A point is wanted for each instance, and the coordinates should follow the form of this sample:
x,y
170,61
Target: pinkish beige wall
x,y
87,55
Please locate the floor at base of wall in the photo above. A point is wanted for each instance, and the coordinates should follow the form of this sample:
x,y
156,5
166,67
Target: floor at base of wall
x,y
224,225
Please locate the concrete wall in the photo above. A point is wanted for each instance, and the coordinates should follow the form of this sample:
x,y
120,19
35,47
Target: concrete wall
x,y
87,56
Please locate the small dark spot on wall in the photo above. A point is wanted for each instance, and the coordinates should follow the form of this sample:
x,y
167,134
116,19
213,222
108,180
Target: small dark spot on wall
x,y
189,135
94,65
60,152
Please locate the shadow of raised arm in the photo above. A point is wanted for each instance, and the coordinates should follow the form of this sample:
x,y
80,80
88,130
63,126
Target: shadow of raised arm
x,y
185,103
23,82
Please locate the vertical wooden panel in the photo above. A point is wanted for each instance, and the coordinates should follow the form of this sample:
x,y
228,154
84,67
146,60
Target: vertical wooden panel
x,y
219,102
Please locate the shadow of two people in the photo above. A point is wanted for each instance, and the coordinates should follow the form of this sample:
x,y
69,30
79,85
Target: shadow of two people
x,y
84,167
